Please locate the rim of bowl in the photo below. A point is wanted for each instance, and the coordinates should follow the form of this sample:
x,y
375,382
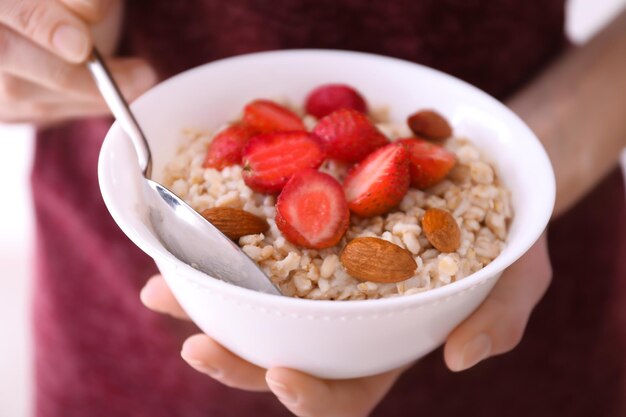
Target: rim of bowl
x,y
497,266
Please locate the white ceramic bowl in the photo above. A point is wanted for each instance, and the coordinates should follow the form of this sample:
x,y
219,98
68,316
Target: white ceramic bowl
x,y
326,338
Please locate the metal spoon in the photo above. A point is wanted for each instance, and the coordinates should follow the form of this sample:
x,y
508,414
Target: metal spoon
x,y
184,232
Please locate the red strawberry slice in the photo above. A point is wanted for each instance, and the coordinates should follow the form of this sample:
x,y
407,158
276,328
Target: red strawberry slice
x,y
312,210
267,116
269,160
429,163
349,135
379,182
226,147
331,97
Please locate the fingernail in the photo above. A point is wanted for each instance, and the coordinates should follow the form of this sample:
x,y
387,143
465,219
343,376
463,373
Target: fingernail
x,y
284,394
143,77
144,295
205,368
475,351
71,42
147,295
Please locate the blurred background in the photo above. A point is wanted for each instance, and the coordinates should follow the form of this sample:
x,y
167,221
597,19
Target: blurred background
x,y
584,18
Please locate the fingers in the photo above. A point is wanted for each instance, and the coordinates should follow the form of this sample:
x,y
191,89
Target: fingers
x,y
302,394
49,24
200,351
157,296
24,100
22,59
307,396
15,91
210,358
499,323
43,44
47,114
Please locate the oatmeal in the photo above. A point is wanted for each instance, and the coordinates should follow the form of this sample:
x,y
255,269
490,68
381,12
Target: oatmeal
x,y
470,192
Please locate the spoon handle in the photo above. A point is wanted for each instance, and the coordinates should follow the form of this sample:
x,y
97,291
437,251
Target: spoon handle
x,y
119,107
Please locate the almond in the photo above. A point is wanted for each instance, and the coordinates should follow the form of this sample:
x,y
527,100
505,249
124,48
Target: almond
x,y
234,222
430,125
374,259
441,230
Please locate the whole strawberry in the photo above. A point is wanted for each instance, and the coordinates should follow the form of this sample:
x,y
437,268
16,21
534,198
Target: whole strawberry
x,y
269,160
226,147
379,182
429,163
348,135
328,98
311,211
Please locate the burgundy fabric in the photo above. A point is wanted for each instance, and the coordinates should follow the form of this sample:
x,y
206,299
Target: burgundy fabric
x,y
496,45
99,352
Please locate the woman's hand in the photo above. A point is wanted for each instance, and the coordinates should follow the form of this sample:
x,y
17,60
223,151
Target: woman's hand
x,y
495,327
43,45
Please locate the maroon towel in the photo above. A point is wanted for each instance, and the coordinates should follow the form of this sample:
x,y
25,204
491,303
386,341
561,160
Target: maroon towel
x,y
99,352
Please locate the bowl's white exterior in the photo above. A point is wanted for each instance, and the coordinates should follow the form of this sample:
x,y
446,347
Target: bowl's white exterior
x,y
331,344
325,338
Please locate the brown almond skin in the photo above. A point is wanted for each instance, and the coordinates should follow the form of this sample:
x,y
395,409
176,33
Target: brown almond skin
x,y
430,125
234,222
376,260
441,230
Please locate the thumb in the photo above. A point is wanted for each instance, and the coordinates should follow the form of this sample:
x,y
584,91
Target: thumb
x,y
497,326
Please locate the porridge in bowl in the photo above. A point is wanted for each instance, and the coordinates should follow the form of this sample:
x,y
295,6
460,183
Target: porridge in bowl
x,y
337,203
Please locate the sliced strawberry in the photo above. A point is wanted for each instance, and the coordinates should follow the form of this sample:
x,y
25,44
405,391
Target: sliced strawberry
x,y
379,182
348,135
226,147
269,160
312,211
267,116
429,163
328,98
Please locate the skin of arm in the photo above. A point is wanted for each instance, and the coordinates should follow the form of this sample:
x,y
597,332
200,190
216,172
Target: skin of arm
x,y
577,108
